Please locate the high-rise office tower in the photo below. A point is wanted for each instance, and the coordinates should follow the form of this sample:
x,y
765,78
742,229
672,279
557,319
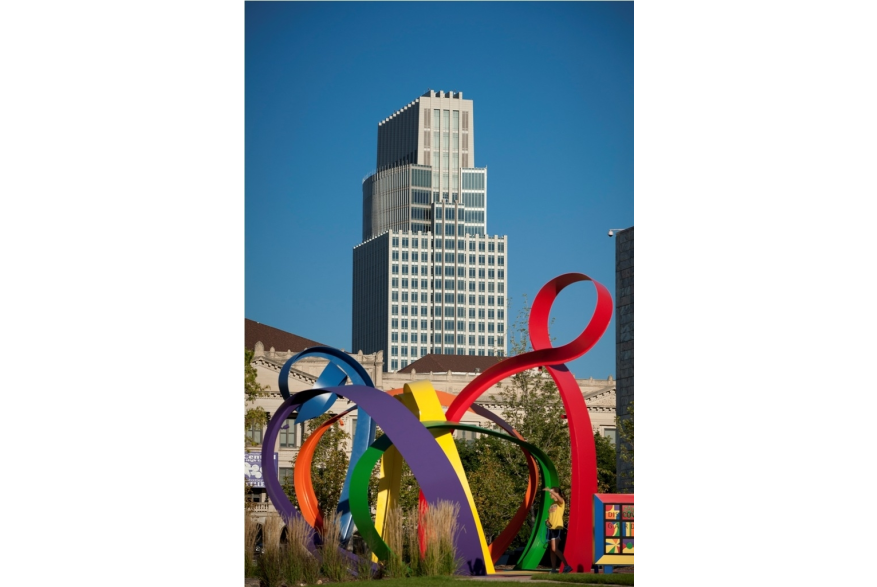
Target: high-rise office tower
x,y
427,278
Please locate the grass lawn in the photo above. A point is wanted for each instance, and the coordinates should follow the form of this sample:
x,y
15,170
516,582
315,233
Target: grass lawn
x,y
589,579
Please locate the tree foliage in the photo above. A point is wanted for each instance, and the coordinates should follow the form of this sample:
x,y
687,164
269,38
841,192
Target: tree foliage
x,y
624,426
605,464
254,415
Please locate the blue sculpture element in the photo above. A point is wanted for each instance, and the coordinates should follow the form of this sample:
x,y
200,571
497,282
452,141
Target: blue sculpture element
x,y
340,368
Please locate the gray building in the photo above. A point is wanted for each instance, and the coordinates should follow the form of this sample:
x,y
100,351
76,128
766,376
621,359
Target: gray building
x,y
624,345
427,277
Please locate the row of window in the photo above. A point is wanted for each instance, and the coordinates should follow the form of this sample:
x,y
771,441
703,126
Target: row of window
x,y
490,274
441,119
424,243
449,299
446,338
428,324
447,258
448,271
448,326
428,310
461,340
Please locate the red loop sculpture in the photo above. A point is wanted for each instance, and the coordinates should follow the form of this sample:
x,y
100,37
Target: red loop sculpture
x,y
579,550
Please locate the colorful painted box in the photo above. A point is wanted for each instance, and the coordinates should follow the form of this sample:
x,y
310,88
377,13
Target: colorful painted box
x,y
613,528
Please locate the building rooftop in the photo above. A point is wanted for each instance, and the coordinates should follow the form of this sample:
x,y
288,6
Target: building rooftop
x,y
274,337
452,363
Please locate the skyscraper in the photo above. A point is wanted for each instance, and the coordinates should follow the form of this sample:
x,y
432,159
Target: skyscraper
x,y
427,278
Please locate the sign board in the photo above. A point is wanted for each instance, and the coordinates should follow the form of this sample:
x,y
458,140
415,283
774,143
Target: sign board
x,y
253,469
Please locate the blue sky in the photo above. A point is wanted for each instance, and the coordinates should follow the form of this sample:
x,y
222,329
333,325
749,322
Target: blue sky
x,y
319,78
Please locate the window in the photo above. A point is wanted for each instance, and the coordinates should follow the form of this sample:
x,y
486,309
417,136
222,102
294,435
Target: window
x,y
465,434
610,434
254,433
395,282
394,337
287,437
395,296
395,255
285,475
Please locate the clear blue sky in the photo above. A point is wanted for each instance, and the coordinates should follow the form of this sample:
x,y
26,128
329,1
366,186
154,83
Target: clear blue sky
x,y
319,78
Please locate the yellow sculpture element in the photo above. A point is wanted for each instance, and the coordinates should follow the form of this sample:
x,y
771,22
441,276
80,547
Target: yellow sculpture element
x,y
421,398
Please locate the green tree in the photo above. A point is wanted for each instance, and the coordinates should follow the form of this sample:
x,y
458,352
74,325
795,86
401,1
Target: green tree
x,y
605,464
496,488
254,415
624,426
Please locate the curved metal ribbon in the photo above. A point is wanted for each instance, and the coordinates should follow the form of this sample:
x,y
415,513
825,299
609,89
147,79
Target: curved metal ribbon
x,y
502,542
533,551
434,472
341,366
583,453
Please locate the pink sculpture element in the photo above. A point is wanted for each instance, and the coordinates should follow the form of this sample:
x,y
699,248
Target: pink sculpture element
x,y
579,547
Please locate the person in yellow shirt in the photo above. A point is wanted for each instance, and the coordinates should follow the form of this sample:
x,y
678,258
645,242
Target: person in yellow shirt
x,y
555,527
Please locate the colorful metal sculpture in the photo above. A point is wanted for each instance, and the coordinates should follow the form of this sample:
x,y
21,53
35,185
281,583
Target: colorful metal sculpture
x,y
418,429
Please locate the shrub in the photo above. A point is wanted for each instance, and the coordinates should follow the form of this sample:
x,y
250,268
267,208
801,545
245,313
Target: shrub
x,y
299,564
335,563
251,532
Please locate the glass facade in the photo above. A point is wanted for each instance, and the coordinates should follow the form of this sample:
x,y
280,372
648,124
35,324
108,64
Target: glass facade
x,y
424,212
